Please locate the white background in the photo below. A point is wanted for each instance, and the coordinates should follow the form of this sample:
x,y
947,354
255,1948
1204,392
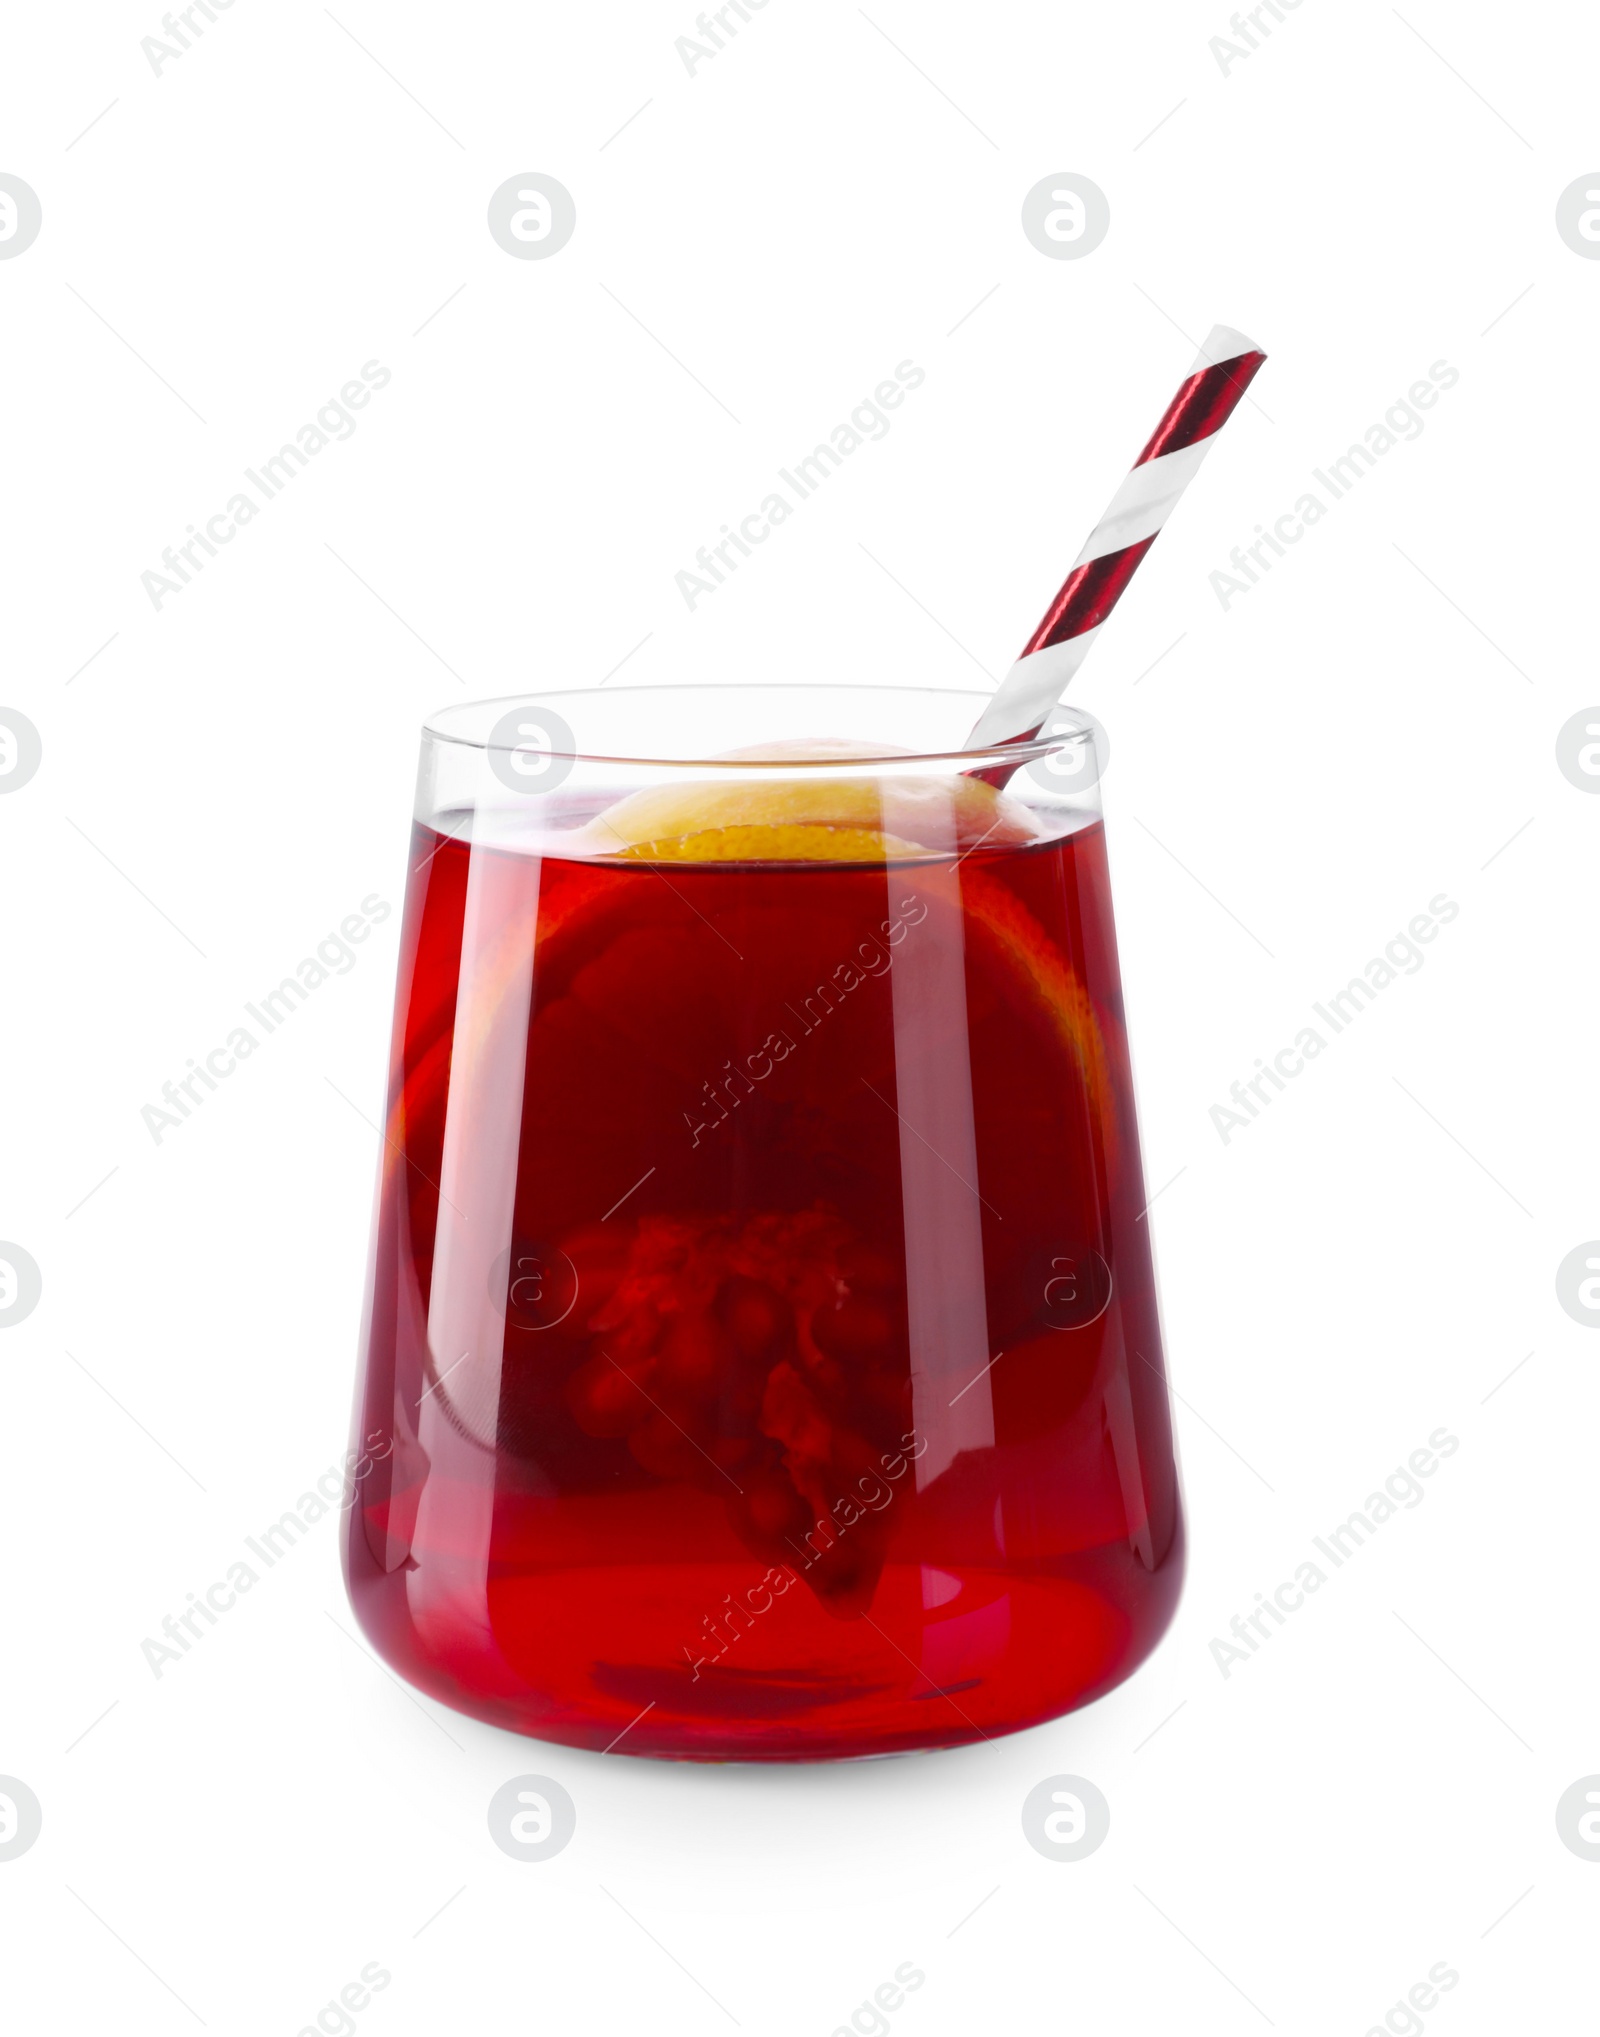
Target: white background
x,y
1375,1790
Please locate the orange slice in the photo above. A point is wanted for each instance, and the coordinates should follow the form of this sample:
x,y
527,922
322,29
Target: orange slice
x,y
753,842
800,819
811,816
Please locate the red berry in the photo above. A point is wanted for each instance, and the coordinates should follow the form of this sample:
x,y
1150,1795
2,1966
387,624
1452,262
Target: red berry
x,y
756,1317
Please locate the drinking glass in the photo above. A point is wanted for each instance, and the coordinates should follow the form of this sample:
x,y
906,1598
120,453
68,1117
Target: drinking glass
x,y
761,1357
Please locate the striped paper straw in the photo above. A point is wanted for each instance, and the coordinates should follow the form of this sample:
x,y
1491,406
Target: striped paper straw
x,y
1207,399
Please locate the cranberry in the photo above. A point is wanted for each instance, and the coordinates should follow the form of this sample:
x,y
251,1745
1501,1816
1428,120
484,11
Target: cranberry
x,y
756,1317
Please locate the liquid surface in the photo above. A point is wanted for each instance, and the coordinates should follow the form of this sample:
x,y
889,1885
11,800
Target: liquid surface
x,y
762,1354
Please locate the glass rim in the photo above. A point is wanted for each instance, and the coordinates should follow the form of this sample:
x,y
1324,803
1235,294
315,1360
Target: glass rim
x,y
434,729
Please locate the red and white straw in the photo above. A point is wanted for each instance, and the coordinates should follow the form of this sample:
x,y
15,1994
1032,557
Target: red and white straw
x,y
1207,399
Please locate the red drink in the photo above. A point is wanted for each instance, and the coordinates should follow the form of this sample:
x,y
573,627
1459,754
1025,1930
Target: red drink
x,y
762,1357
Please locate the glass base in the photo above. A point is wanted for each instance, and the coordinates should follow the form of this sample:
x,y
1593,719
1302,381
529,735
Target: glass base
x,y
673,1662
